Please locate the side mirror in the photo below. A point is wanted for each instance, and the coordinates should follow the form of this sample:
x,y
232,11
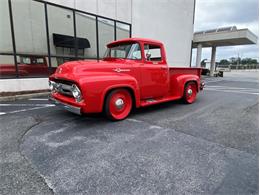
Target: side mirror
x,y
148,56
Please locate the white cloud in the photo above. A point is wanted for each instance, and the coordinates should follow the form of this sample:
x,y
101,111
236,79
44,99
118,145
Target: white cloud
x,y
211,14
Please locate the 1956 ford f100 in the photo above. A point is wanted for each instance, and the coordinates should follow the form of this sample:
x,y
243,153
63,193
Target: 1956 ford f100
x,y
133,73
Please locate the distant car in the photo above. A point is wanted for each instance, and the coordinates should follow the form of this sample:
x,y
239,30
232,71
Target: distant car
x,y
205,71
28,65
217,73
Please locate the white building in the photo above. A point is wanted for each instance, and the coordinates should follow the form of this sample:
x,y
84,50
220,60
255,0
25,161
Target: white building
x,y
170,21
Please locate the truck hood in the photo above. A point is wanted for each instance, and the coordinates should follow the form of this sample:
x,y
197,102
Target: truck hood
x,y
86,66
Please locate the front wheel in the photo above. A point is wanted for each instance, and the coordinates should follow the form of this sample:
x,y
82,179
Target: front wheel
x,y
118,104
190,92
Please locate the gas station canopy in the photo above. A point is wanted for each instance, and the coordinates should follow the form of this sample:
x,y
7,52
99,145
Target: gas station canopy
x,y
229,36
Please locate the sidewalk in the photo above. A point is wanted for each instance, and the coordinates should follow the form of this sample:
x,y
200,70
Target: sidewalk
x,y
12,96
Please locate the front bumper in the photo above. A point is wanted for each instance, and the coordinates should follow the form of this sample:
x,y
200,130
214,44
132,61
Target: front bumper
x,y
73,109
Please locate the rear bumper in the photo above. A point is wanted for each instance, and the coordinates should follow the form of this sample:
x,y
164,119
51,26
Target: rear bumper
x,y
202,84
73,109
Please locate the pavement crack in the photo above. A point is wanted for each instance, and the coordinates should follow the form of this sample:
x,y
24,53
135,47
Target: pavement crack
x,y
201,138
218,144
20,141
251,107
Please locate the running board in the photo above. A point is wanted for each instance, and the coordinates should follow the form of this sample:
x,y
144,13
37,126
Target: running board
x,y
151,101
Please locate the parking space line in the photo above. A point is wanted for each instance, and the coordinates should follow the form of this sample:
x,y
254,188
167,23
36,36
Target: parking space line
x,y
24,110
40,99
234,89
26,104
212,81
228,87
231,91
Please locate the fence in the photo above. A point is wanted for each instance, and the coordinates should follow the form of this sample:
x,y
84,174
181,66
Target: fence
x,y
237,67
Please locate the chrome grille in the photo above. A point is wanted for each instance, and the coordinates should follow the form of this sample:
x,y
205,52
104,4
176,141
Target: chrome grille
x,y
64,89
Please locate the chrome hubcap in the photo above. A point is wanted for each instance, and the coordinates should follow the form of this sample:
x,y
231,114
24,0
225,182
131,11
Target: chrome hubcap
x,y
119,103
189,91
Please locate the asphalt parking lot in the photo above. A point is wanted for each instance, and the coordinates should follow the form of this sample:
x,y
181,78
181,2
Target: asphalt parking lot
x,y
209,147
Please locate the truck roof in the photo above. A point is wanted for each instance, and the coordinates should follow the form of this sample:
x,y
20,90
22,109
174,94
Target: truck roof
x,y
135,40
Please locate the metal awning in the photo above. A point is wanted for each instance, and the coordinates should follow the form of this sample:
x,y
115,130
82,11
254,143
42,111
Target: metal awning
x,y
224,38
60,40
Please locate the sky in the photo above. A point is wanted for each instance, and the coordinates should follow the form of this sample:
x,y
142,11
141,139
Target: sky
x,y
211,14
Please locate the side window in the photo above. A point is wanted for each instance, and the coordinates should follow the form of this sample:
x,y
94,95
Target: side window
x,y
39,61
135,52
25,60
36,61
152,52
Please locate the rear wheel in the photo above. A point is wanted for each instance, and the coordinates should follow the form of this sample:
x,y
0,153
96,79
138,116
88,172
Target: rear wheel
x,y
118,104
190,92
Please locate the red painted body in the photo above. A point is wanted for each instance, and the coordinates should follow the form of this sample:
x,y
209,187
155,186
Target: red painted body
x,y
148,82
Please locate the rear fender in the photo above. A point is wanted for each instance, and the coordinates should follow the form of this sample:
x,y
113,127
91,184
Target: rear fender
x,y
183,79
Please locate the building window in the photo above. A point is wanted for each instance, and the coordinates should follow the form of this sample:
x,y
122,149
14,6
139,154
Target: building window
x,y
54,34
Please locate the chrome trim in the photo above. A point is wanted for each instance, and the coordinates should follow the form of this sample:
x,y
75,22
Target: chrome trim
x,y
64,89
119,103
73,109
202,85
189,91
121,70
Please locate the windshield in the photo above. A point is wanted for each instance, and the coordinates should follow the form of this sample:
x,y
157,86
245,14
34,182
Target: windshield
x,y
125,51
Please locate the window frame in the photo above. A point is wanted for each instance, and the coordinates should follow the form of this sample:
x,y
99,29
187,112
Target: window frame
x,y
130,42
156,45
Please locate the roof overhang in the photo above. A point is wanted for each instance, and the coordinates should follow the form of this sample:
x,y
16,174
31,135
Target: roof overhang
x,y
70,41
229,38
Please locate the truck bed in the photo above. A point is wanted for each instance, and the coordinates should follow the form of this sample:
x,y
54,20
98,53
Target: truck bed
x,y
176,72
175,91
184,70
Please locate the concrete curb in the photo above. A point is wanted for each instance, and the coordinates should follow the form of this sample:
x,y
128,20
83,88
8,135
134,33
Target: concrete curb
x,y
24,96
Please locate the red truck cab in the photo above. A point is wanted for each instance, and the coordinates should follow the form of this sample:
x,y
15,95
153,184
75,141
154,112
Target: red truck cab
x,y
133,73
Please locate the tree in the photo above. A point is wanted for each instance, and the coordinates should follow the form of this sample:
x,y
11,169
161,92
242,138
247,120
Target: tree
x,y
233,60
203,63
254,61
246,61
224,62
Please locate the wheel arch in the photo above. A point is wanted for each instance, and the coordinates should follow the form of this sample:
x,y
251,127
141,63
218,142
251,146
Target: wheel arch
x,y
131,90
191,81
184,79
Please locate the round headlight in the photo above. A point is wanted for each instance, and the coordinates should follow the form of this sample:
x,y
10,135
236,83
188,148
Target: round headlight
x,y
76,92
52,85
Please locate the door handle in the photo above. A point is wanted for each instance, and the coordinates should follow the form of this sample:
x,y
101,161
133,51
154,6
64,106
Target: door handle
x,y
164,68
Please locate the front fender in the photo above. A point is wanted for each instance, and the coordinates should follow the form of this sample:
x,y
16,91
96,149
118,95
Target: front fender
x,y
95,87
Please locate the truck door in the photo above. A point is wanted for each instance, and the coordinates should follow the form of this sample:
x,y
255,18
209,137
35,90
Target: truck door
x,y
154,73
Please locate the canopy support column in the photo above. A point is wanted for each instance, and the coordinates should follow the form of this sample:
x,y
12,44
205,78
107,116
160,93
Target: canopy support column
x,y
213,60
198,57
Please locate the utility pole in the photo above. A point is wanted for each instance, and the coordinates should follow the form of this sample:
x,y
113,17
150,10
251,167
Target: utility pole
x,y
237,60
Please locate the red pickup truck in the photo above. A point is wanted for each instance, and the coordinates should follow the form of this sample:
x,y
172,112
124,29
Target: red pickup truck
x,y
133,73
27,66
